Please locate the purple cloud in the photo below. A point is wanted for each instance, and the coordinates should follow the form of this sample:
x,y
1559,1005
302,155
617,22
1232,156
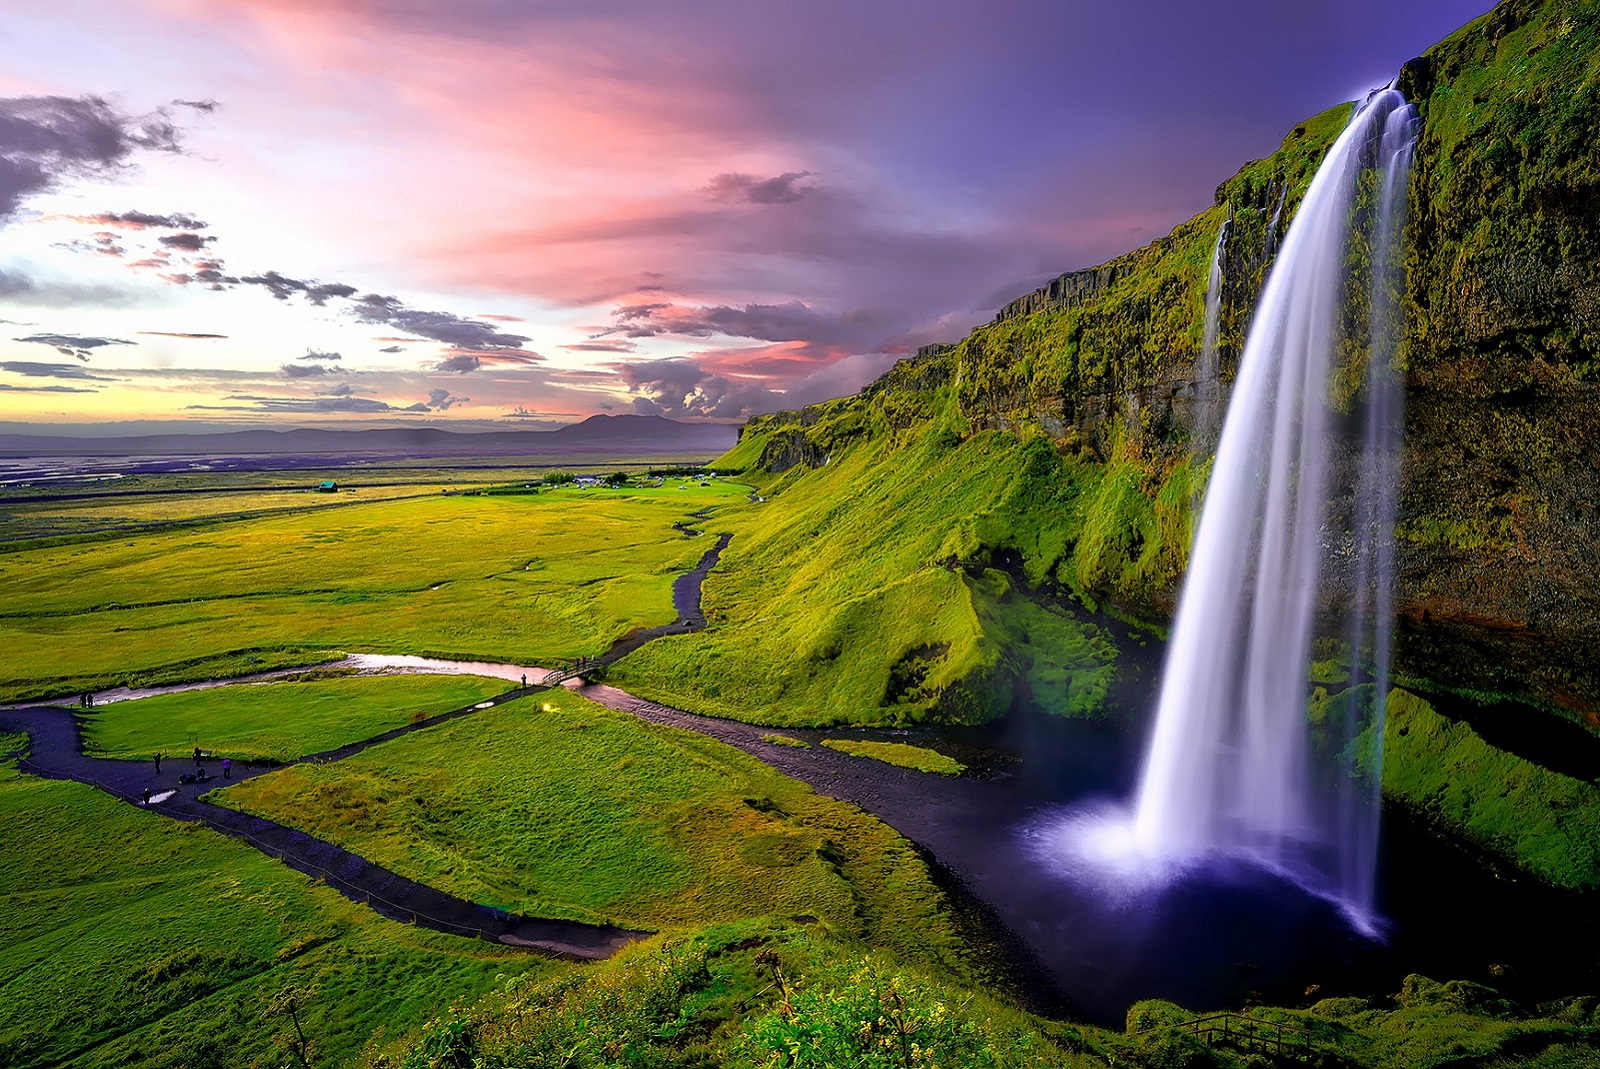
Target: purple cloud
x,y
48,139
780,189
454,330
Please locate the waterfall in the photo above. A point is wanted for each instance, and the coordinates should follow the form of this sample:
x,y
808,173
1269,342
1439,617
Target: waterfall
x,y
1233,766
1270,246
1207,380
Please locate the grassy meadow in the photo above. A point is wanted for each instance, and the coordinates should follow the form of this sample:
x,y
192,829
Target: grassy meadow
x,y
277,721
130,940
555,806
524,577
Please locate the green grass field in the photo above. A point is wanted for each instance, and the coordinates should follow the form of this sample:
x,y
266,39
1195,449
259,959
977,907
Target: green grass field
x,y
127,939
278,721
577,811
48,518
523,578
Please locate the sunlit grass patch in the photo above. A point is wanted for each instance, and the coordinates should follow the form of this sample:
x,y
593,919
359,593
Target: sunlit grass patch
x,y
862,592
127,939
903,754
277,721
532,578
787,740
580,812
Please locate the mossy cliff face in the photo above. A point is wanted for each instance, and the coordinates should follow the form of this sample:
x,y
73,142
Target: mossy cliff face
x,y
1500,526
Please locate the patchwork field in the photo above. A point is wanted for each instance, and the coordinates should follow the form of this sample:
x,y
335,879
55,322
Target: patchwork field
x,y
127,939
555,806
524,577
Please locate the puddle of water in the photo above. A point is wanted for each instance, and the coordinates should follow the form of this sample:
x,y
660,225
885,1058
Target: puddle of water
x,y
378,662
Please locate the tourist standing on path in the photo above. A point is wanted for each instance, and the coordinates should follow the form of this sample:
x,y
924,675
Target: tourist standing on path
x,y
158,763
227,768
147,797
197,757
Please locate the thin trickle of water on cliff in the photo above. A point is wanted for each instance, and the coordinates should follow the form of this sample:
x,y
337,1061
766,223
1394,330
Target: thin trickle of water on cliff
x,y
1207,373
1271,244
1301,499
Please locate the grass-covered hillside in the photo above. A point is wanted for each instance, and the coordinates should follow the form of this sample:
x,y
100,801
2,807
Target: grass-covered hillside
x,y
1054,444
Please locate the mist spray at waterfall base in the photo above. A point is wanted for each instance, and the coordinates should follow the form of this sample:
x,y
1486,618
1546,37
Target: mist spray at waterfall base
x,y
1294,545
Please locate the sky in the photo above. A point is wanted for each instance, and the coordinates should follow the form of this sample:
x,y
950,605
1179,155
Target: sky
x,y
486,213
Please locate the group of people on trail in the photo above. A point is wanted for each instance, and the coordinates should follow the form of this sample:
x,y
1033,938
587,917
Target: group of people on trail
x,y
85,700
199,775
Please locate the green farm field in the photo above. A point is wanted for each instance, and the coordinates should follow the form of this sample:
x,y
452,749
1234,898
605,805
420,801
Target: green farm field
x,y
523,577
50,518
556,806
127,939
277,721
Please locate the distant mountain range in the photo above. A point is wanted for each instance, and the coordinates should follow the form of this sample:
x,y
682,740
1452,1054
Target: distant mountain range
x,y
630,433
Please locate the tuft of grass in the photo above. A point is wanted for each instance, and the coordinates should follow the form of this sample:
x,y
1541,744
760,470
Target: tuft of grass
x,y
899,753
786,740
277,721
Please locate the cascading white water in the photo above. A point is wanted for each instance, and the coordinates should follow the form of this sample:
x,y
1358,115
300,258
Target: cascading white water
x,y
1230,766
1207,380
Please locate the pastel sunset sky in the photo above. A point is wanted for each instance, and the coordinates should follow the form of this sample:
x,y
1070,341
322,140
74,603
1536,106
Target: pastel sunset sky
x,y
476,212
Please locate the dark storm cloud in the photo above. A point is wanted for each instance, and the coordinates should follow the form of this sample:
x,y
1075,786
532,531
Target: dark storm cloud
x,y
454,330
780,189
73,345
37,369
460,364
186,241
143,221
792,321
282,287
680,387
47,139
444,400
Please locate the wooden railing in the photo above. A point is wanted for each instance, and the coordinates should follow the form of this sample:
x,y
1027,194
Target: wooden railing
x,y
1284,1041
